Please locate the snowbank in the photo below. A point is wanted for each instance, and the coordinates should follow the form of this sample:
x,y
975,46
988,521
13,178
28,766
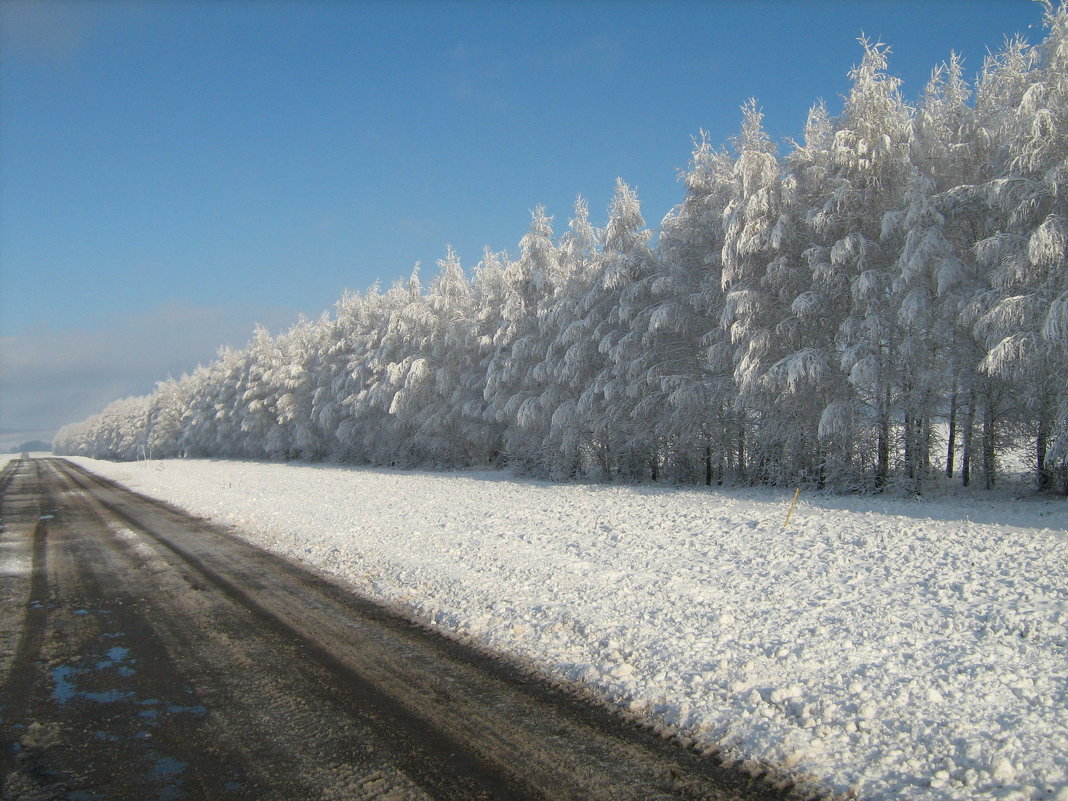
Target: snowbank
x,y
898,649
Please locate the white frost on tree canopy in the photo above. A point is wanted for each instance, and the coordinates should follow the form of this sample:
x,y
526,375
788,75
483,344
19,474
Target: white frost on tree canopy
x,y
811,317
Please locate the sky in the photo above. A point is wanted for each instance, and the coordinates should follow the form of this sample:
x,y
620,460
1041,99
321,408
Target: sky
x,y
173,173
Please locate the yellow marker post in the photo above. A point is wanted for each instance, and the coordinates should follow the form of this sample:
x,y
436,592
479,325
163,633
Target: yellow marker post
x,y
793,503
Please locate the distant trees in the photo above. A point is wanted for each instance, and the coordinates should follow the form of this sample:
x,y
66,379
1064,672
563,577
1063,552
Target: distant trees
x,y
885,301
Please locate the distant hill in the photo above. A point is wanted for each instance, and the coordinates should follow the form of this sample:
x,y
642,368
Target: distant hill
x,y
34,445
16,440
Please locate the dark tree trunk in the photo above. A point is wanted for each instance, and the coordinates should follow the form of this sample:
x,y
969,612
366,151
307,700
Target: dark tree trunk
x,y
882,454
952,438
882,446
741,451
1045,476
988,445
966,454
708,465
821,468
910,451
925,446
919,457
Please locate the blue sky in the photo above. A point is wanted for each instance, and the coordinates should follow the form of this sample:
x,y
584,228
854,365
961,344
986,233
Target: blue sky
x,y
173,172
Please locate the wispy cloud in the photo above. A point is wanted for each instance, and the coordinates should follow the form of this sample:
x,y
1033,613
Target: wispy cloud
x,y
54,376
483,73
46,30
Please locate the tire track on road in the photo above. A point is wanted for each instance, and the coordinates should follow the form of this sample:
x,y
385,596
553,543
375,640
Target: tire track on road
x,y
320,693
438,763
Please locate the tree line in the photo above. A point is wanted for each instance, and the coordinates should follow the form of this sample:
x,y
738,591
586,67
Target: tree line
x,y
883,303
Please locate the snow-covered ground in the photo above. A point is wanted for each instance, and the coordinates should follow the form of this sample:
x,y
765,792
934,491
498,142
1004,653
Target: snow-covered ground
x,y
892,648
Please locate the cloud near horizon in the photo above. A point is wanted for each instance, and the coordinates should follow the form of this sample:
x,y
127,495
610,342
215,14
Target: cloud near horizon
x,y
52,376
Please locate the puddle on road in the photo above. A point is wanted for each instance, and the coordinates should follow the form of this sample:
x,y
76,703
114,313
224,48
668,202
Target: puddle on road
x,y
108,675
66,690
197,710
166,767
166,771
67,677
115,658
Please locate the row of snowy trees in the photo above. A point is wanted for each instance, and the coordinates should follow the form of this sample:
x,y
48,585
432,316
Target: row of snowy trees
x,y
886,301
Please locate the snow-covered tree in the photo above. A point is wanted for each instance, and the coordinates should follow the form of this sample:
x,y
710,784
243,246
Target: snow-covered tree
x,y
805,381
1024,320
611,301
869,171
686,384
565,437
806,318
514,385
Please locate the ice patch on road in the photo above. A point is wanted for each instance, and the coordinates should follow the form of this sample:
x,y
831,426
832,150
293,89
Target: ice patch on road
x,y
16,559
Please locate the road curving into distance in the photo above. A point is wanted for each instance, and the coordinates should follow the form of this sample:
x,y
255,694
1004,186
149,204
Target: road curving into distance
x,y
146,654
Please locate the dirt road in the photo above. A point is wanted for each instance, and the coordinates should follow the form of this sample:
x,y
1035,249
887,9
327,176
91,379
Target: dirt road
x,y
145,654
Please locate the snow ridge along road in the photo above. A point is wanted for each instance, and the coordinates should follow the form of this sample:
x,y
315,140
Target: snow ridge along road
x,y
149,654
889,647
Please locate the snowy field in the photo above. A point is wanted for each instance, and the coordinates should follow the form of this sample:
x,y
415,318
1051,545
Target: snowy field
x,y
892,649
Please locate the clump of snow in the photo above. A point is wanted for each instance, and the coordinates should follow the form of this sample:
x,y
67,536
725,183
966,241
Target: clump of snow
x,y
893,648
